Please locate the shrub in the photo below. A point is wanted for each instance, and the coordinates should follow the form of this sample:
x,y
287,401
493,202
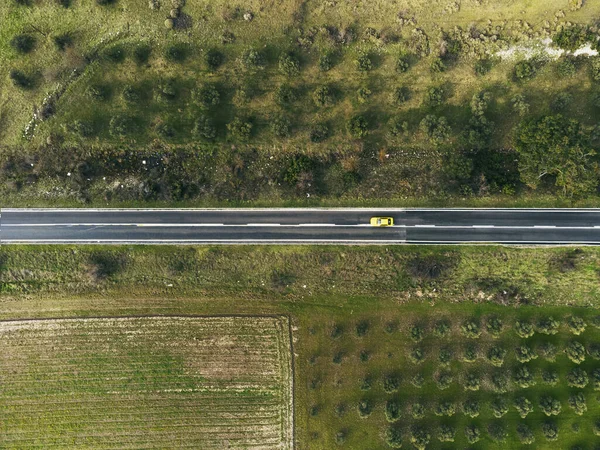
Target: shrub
x,y
499,407
365,408
594,351
417,355
286,95
325,62
471,408
391,327
167,91
548,351
141,53
497,432
338,357
282,128
417,410
436,129
550,377
130,94
391,383
417,380
289,64
81,128
495,356
471,329
525,434
319,133
597,427
494,326
240,128
363,94
472,433
115,54
393,437
575,352
445,356
204,128
400,95
437,66
577,403
366,383
253,59
364,62
64,3
578,378
98,91
20,79
446,433
524,353
499,382
523,406
402,64
165,130
62,41
470,353
524,377
23,43
207,95
323,96
341,436
482,66
419,437
572,37
561,101
121,125
364,355
472,381
214,59
340,409
417,333
550,431
576,325
441,329
524,70
548,325
177,53
392,410
435,96
524,329
520,105
566,67
105,2
595,68
357,127
550,405
444,380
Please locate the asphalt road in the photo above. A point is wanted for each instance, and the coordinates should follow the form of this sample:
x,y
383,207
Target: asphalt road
x,y
242,226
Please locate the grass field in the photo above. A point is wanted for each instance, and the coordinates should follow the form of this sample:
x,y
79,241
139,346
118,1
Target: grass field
x,y
147,382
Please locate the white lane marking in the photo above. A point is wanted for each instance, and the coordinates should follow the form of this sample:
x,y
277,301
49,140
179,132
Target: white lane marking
x,y
482,226
261,225
422,226
544,226
316,225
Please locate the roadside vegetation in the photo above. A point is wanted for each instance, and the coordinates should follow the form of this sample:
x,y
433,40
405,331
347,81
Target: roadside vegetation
x,y
174,101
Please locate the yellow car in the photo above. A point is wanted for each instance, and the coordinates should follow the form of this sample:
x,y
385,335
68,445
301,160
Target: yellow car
x,y
382,221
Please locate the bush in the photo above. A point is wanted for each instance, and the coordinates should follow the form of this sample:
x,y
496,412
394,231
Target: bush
x,y
319,133
445,356
391,383
365,408
282,128
495,356
548,325
550,431
578,378
167,91
523,406
105,2
472,381
20,79
357,127
204,128
323,96
470,353
446,433
130,94
482,66
437,66
435,96
577,403
400,95
436,129
325,62
499,382
572,37
364,62
364,355
566,67
471,329
417,333
524,353
550,405
417,380
115,54
520,105
214,59
417,355
524,329
524,377
597,427
524,70
444,380
393,437
594,351
165,130
289,64
499,407
419,437
417,410
253,59
441,329
494,326
81,128
177,53
471,408
240,128
341,436
22,43
207,95
98,92
286,95
576,325
525,434
550,377
575,352
472,433
392,410
141,53
366,383
497,432
363,94
561,101
548,351
121,125
595,68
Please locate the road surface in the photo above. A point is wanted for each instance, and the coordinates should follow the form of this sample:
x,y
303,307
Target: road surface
x,y
349,226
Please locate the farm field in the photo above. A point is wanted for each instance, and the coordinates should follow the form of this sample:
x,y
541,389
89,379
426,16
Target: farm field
x,y
147,382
